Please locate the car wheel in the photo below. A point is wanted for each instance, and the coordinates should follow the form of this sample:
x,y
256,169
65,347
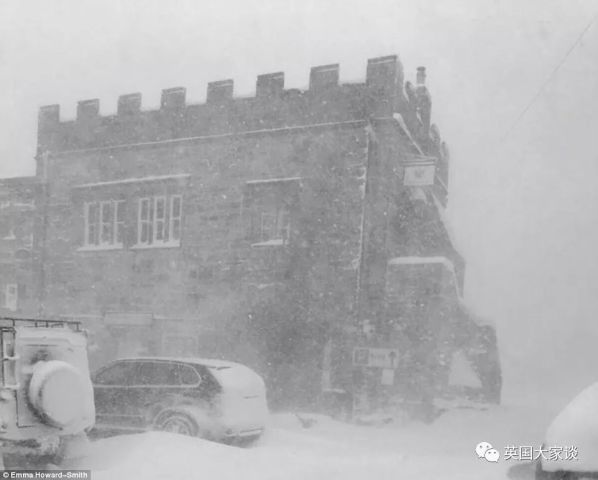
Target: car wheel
x,y
179,423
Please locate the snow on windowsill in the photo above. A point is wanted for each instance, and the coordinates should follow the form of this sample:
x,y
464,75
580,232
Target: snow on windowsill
x,y
273,180
99,248
261,286
477,317
141,246
413,260
124,181
270,243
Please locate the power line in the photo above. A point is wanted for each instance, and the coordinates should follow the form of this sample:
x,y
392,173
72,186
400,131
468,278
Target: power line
x,y
550,77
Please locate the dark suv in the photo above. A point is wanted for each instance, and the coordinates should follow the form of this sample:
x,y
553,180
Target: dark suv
x,y
213,399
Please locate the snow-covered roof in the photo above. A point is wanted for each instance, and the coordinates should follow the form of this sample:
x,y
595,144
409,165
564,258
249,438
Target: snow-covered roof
x,y
465,307
151,178
474,315
418,194
442,214
399,119
435,260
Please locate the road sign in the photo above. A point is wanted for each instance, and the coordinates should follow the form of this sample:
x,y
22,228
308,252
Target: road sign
x,y
375,357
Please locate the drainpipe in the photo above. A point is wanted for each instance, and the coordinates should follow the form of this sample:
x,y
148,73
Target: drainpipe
x,y
44,197
358,300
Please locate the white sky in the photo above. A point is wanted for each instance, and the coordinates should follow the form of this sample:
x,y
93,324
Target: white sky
x,y
524,209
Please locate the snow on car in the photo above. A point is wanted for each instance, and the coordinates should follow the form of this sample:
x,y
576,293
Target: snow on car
x,y
46,396
573,436
213,399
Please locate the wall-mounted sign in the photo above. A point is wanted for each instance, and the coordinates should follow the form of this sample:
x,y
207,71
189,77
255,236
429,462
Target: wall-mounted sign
x,y
419,175
375,357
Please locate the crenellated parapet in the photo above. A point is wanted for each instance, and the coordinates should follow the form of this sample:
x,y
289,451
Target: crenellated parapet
x,y
383,93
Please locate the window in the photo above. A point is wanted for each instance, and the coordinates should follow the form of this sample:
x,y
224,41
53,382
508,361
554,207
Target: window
x,y
151,373
28,240
7,232
145,221
186,375
160,232
11,296
91,224
159,221
275,225
104,224
166,373
160,373
270,205
119,223
176,203
123,373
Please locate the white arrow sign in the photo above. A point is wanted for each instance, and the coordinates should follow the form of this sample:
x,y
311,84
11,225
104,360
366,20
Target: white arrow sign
x,y
375,357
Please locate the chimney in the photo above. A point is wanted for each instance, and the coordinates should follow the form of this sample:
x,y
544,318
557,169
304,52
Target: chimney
x,y
323,77
173,98
129,104
424,101
421,76
269,85
220,92
88,109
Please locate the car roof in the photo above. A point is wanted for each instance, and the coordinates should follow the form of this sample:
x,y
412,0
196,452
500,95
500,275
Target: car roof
x,y
206,362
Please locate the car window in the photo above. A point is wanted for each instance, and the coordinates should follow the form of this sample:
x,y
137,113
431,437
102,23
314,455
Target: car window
x,y
185,375
117,374
166,373
155,373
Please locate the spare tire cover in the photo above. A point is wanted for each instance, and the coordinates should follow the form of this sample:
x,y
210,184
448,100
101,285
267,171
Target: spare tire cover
x,y
57,392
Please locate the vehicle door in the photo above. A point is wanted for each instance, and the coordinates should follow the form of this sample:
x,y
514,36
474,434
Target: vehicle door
x,y
114,387
163,384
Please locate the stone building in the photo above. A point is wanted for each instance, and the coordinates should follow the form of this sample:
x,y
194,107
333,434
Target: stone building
x,y
260,229
19,262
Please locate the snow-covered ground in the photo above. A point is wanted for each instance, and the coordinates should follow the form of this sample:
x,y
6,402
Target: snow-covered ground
x,y
330,450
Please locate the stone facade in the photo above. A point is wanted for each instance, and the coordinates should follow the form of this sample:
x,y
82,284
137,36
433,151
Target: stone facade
x,y
19,258
258,229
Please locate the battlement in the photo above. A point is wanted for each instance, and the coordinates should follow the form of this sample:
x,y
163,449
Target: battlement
x,y
325,101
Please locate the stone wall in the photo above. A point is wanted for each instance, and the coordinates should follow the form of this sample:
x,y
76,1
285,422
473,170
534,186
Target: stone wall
x,y
326,163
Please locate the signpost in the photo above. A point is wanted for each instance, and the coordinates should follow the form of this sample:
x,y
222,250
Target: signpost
x,y
377,366
375,357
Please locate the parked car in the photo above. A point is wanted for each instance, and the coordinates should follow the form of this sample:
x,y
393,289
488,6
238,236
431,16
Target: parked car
x,y
213,399
571,441
46,395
